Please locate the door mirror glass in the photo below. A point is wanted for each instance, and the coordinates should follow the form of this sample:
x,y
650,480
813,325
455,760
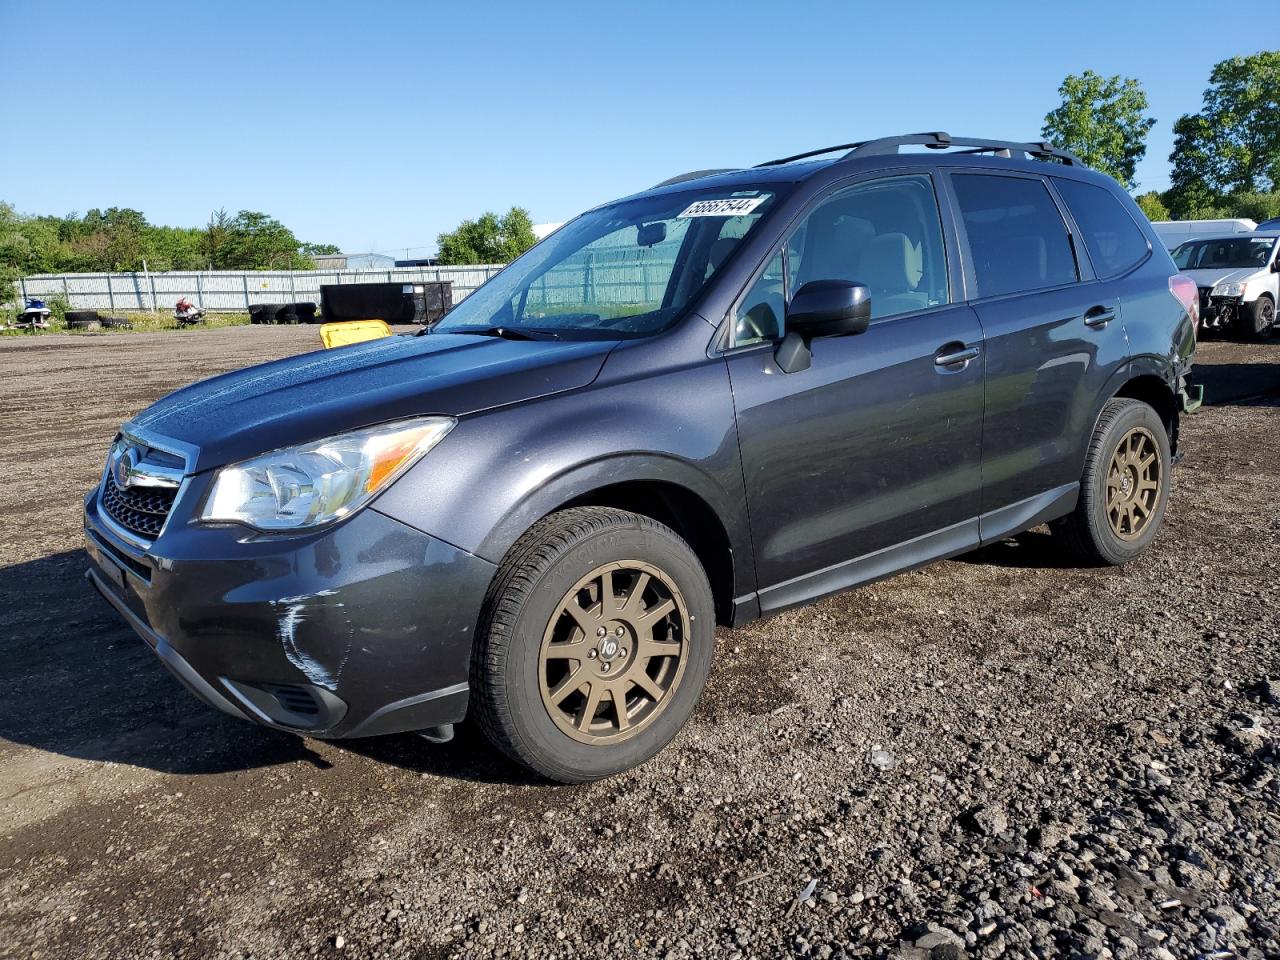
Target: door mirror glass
x,y
830,308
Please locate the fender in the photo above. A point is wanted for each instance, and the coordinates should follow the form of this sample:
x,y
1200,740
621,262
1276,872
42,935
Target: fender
x,y
501,471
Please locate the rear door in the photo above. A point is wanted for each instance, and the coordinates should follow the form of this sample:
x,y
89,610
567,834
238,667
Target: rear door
x,y
878,443
1054,338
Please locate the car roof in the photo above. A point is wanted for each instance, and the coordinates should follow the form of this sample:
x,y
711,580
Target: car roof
x,y
800,171
1251,235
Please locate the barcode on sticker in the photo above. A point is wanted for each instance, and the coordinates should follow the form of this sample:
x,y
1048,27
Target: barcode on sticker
x,y
728,207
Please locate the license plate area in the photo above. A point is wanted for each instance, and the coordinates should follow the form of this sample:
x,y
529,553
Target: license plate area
x,y
115,569
110,571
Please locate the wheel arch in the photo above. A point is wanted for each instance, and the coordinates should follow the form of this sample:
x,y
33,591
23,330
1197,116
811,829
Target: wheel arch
x,y
663,489
1150,386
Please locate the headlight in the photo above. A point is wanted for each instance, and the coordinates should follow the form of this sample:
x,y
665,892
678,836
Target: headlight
x,y
1229,290
316,483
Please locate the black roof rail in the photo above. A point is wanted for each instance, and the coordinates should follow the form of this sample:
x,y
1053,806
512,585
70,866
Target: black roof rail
x,y
938,140
692,175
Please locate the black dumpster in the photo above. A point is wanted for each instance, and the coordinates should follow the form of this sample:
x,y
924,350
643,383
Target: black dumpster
x,y
420,302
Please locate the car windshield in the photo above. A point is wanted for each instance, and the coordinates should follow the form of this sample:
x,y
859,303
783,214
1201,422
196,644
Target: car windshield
x,y
628,269
1228,252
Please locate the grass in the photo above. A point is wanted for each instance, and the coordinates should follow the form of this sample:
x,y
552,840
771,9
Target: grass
x,y
143,322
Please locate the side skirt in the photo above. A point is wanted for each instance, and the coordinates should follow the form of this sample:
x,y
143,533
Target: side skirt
x,y
909,555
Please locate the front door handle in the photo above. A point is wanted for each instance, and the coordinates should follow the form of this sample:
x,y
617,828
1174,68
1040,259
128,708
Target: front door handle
x,y
1099,316
953,354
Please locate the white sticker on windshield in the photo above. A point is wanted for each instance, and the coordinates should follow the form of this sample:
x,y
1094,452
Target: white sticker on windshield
x,y
728,207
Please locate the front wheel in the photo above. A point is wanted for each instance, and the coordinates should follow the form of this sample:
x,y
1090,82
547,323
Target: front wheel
x,y
1259,317
595,643
1124,488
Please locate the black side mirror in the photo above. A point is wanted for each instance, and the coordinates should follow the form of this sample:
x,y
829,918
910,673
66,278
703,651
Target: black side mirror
x,y
822,308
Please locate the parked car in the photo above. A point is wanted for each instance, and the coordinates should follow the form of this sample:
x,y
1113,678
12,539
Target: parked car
x,y
1238,280
1172,233
1269,225
725,396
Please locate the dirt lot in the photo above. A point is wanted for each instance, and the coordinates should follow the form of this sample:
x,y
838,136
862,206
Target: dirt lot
x,y
997,755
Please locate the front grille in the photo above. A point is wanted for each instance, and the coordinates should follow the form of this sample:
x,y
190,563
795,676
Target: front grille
x,y
140,510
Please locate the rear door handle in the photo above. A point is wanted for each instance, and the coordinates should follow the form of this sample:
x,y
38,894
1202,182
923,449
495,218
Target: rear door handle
x,y
953,354
1099,316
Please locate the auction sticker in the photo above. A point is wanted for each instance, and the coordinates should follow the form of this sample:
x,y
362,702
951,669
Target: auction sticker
x,y
728,207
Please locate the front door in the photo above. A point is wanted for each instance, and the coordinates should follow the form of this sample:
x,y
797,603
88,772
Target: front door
x,y
869,460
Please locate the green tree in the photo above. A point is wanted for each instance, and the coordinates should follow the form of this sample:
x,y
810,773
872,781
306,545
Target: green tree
x,y
1101,120
489,239
256,241
1151,204
320,249
1232,146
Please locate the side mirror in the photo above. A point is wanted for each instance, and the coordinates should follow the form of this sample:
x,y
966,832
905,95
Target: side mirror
x,y
829,308
821,308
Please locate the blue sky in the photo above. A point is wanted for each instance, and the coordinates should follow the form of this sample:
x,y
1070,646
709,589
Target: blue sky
x,y
377,125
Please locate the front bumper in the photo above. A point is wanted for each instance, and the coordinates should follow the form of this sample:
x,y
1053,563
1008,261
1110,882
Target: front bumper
x,y
360,629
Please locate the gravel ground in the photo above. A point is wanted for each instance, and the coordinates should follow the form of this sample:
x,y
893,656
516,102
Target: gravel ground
x,y
998,755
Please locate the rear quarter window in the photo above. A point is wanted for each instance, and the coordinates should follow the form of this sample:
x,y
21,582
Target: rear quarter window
x,y
1114,242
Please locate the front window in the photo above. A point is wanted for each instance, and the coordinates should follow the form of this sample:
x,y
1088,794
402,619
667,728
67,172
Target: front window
x,y
628,269
1227,253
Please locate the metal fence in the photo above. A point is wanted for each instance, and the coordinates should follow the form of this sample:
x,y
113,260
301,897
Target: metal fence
x,y
226,290
613,274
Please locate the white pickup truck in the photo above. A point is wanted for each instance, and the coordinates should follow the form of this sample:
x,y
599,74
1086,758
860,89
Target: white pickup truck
x,y
1239,280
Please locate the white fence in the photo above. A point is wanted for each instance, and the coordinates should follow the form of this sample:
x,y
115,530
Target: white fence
x,y
225,290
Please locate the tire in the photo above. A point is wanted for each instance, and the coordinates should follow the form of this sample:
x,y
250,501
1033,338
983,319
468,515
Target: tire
x,y
79,319
1259,318
287,316
1091,532
555,564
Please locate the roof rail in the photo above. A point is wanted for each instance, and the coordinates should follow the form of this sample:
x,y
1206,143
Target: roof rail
x,y
692,175
884,146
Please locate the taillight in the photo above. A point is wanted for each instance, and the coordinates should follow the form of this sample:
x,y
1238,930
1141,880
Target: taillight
x,y
1184,290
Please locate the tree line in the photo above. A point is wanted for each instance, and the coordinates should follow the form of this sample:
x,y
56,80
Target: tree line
x,y
1226,156
121,239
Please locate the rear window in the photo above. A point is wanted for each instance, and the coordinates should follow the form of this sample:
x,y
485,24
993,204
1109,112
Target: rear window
x,y
1017,238
1115,243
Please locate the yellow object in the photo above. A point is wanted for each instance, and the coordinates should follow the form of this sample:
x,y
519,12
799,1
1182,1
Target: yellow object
x,y
344,332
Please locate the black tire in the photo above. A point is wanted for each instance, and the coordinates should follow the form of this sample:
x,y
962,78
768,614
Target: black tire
x,y
76,318
523,602
83,324
116,323
1259,318
1088,533
287,316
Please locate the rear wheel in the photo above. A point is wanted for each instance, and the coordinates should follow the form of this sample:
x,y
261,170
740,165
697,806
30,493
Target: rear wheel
x,y
595,644
1124,489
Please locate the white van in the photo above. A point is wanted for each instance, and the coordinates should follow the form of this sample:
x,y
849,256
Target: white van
x,y
1174,232
1238,278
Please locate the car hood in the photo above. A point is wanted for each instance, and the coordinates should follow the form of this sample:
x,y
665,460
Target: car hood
x,y
1211,278
303,398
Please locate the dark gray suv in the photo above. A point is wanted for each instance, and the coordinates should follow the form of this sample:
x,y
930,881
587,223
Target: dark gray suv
x,y
736,392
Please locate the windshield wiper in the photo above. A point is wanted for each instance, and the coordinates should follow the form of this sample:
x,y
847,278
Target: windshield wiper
x,y
508,333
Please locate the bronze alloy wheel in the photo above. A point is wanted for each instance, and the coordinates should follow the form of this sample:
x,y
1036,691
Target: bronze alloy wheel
x,y
1133,483
614,652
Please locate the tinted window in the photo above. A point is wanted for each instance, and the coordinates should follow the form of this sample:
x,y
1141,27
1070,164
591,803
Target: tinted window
x,y
1114,241
1016,235
884,234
